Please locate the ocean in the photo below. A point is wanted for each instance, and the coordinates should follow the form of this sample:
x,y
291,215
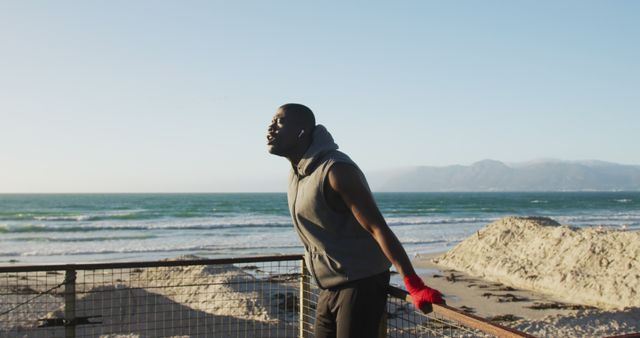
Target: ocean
x,y
74,228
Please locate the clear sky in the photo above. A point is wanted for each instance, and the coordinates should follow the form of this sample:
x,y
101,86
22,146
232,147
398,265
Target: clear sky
x,y
175,96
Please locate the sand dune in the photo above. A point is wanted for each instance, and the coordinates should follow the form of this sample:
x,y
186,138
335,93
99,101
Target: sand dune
x,y
589,266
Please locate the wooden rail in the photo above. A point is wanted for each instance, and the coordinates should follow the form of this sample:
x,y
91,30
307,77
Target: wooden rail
x,y
466,319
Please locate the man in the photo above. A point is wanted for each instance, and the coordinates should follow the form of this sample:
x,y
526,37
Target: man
x,y
348,245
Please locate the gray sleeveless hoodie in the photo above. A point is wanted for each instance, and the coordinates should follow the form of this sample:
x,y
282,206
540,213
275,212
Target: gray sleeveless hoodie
x,y
337,248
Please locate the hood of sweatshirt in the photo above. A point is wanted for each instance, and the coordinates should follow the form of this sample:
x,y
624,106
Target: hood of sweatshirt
x,y
321,143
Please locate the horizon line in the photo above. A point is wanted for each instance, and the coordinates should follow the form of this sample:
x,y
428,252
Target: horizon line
x,y
284,192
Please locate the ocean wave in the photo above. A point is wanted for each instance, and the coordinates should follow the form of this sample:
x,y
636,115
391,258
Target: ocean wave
x,y
624,200
265,247
539,201
600,218
425,242
38,228
76,217
51,251
120,215
82,239
5,228
399,221
55,252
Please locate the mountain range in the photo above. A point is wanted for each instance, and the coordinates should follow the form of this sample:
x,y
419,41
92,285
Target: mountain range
x,y
492,175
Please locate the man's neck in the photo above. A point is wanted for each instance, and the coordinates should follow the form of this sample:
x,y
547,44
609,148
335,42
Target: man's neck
x,y
299,152
295,159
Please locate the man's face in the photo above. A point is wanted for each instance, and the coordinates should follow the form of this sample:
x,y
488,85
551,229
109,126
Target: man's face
x,y
282,134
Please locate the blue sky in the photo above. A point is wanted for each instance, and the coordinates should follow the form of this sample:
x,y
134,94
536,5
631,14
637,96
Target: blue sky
x,y
175,96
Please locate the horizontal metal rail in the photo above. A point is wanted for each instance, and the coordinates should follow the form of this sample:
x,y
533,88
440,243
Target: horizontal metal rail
x,y
148,264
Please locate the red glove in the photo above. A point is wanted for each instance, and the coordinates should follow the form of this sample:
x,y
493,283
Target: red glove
x,y
420,293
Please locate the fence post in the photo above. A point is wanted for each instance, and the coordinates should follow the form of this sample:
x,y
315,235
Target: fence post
x,y
305,293
70,303
382,330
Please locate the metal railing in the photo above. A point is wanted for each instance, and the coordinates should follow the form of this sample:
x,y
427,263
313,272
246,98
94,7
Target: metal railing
x,y
242,297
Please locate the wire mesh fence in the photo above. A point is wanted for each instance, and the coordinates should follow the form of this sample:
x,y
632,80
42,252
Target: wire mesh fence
x,y
234,298
249,297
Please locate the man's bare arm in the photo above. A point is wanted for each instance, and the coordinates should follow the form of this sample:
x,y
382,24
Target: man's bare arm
x,y
350,185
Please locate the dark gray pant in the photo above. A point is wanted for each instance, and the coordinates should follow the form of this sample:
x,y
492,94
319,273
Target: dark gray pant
x,y
352,310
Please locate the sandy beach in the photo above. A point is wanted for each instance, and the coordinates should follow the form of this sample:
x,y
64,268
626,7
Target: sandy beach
x,y
586,285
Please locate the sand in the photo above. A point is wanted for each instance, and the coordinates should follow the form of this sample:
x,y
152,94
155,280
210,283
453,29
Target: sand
x,y
543,278
589,266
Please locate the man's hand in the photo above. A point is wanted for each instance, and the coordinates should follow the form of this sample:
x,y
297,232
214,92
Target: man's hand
x,y
420,293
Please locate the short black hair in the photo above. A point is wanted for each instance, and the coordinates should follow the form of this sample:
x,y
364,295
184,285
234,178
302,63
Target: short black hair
x,y
302,113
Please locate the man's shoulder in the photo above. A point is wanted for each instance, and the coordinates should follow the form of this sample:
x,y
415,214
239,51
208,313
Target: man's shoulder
x,y
336,156
342,162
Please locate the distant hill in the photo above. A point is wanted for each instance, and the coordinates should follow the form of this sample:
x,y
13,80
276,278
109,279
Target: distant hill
x,y
491,175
